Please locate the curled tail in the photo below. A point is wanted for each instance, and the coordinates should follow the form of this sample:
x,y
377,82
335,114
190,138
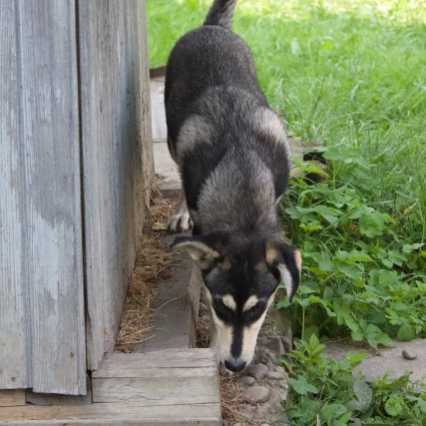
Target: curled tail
x,y
221,13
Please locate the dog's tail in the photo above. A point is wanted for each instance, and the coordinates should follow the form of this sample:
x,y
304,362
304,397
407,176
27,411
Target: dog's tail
x,y
221,13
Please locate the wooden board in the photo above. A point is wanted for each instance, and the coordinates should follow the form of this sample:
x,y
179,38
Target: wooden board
x,y
12,398
158,390
160,373
110,69
42,278
129,365
14,307
50,137
114,414
158,378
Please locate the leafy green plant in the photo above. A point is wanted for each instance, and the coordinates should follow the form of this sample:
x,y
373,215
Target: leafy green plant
x,y
361,274
324,391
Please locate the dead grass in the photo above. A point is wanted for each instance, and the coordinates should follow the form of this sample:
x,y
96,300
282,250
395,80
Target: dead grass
x,y
230,397
153,264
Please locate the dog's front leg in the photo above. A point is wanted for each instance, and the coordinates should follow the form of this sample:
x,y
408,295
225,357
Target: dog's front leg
x,y
181,221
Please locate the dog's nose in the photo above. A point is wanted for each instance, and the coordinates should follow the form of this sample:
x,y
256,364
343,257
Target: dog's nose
x,y
235,365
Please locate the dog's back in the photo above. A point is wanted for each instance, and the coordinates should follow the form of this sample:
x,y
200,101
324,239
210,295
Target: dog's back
x,y
219,121
210,56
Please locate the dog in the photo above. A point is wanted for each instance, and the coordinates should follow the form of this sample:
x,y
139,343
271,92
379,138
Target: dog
x,y
232,152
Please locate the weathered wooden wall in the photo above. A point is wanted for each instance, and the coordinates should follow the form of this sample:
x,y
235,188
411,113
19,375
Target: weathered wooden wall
x,y
116,141
42,336
75,171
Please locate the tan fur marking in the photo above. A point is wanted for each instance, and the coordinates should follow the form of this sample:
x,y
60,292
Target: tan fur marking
x,y
272,254
250,335
250,303
298,259
269,124
229,302
198,251
195,130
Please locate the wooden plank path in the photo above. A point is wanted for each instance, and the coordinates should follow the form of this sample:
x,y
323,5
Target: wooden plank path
x,y
168,387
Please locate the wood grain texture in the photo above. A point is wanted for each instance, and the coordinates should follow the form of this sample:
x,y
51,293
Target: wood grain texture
x,y
52,167
43,194
129,365
12,398
158,390
114,414
165,377
144,105
159,373
110,65
14,303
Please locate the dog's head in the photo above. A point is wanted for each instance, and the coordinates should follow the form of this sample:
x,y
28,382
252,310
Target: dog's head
x,y
241,276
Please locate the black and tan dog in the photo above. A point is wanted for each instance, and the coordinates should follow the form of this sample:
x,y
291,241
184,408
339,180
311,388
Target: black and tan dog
x,y
233,156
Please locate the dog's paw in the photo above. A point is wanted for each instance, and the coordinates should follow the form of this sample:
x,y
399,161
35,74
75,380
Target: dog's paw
x,y
180,222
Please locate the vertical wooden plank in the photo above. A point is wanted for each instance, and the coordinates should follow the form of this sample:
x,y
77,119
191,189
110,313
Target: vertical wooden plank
x,y
50,141
111,116
139,28
14,337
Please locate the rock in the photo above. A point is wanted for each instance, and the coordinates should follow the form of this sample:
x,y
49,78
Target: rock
x,y
247,381
246,411
256,394
276,375
409,356
258,371
276,345
390,360
284,392
272,409
266,356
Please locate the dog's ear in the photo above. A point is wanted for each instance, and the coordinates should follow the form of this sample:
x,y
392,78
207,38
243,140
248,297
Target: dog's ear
x,y
285,262
200,251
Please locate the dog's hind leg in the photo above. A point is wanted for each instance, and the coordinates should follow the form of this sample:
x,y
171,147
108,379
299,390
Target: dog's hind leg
x,y
181,221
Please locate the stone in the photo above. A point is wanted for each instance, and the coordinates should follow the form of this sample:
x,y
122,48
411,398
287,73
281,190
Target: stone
x,y
267,356
247,381
390,361
276,375
409,356
258,371
276,345
256,394
284,392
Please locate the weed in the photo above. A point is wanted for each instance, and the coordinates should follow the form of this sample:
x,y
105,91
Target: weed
x,y
324,391
361,275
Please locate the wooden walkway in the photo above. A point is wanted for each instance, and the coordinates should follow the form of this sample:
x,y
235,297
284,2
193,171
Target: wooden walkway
x,y
169,387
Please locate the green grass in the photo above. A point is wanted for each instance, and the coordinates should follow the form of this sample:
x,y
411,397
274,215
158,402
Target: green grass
x,y
348,73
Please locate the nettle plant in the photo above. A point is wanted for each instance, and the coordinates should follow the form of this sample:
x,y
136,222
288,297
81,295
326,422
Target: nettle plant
x,y
361,275
325,391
